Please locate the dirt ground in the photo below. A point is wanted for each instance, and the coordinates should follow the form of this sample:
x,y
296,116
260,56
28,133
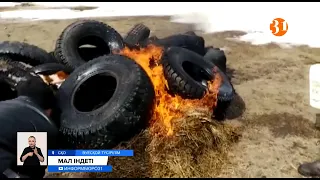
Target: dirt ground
x,y
30,6
272,109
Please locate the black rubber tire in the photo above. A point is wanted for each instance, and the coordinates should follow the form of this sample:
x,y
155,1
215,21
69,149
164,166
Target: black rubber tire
x,y
12,71
18,64
26,53
206,49
53,56
226,90
179,80
137,34
104,37
10,76
153,38
190,33
225,95
150,40
52,53
192,43
124,115
220,111
5,58
50,68
217,57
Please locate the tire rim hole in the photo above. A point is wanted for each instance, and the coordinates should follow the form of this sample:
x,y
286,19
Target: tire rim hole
x,y
91,47
7,92
196,72
94,92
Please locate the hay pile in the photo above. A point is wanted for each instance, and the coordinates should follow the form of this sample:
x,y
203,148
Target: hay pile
x,y
198,148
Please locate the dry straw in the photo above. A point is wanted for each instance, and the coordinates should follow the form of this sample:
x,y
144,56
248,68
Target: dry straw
x,y
198,148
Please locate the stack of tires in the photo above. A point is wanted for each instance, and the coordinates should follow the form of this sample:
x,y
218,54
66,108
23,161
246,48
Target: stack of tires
x,y
108,98
187,65
18,61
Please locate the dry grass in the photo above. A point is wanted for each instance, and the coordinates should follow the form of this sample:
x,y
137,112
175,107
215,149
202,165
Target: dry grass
x,y
271,113
198,143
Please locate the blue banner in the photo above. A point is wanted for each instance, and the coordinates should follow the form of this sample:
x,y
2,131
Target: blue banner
x,y
90,152
71,168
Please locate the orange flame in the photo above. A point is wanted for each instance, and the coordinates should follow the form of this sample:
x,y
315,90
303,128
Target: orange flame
x,y
56,78
167,106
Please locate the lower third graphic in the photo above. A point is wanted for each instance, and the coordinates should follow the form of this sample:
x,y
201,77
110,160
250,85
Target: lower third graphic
x,y
79,168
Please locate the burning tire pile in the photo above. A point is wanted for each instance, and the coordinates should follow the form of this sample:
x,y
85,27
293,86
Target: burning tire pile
x,y
109,93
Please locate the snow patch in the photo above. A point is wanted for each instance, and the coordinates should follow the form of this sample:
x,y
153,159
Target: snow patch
x,y
8,4
211,17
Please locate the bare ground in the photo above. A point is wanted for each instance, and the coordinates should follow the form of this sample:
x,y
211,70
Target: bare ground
x,y
31,6
271,113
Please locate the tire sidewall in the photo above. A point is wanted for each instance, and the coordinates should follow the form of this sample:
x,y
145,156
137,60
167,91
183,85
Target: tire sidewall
x,y
125,83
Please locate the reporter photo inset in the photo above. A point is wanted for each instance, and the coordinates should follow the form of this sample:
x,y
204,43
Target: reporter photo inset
x,y
32,149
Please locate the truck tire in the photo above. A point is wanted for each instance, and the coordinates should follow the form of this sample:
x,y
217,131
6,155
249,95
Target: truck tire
x,y
225,95
148,41
153,38
192,43
17,64
26,53
137,34
206,49
217,57
10,76
190,33
50,68
82,32
88,123
186,72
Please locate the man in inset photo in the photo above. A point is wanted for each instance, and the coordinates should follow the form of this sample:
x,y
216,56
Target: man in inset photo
x,y
31,158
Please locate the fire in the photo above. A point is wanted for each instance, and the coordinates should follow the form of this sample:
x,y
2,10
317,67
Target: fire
x,y
56,79
168,107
